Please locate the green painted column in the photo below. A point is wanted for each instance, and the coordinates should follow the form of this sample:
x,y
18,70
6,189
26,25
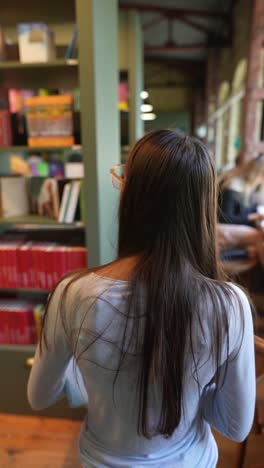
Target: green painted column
x,y
97,22
135,76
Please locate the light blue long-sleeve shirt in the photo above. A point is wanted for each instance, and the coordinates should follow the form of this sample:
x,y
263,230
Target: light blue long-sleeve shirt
x,y
109,435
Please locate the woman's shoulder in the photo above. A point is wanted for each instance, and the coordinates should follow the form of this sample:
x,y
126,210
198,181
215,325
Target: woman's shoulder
x,y
236,297
241,311
86,280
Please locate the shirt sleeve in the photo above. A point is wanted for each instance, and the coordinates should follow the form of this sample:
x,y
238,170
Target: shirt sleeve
x,y
231,409
48,374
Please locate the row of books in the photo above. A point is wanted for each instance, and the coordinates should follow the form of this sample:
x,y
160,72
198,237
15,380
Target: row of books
x,y
58,199
20,322
37,265
37,166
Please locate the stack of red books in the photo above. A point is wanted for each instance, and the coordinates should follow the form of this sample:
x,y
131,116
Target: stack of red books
x,y
18,322
36,264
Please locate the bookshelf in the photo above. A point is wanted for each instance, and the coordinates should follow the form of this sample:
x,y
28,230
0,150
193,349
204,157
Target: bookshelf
x,y
37,222
38,149
98,120
52,74
10,65
26,348
56,74
25,292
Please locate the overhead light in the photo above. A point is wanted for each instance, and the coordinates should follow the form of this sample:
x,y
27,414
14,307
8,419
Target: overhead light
x,y
201,131
144,95
146,108
148,116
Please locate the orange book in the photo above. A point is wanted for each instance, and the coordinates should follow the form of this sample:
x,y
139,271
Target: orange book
x,y
51,141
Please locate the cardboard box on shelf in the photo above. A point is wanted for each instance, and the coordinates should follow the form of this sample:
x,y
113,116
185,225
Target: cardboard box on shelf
x,y
13,197
35,42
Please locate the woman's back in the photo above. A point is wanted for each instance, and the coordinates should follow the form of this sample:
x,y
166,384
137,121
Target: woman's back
x,y
109,436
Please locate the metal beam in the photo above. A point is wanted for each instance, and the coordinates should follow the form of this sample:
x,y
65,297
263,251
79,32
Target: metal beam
x,y
171,11
189,66
176,48
193,24
153,22
171,84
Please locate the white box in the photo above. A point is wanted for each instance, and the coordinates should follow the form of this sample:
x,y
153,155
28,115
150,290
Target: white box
x,y
35,42
13,197
74,170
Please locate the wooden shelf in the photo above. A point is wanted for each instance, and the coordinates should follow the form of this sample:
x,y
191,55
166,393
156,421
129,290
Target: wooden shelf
x,y
25,291
59,73
37,223
13,347
8,65
39,149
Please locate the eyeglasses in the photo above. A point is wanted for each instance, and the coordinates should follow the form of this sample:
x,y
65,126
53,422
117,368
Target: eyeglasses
x,y
118,176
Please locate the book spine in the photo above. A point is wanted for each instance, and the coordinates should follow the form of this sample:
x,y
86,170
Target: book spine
x,y
12,320
31,326
5,128
70,51
4,326
73,201
64,202
38,314
1,269
43,267
22,328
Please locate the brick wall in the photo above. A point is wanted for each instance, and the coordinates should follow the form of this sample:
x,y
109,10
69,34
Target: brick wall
x,y
223,63
230,57
254,86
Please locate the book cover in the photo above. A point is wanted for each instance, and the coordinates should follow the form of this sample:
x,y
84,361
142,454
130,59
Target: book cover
x,y
44,197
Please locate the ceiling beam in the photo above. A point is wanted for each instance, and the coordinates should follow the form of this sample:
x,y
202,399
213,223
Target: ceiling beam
x,y
193,24
153,22
175,47
189,66
172,84
171,11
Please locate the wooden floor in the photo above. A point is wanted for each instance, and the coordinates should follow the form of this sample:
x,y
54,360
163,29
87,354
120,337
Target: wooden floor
x,y
33,442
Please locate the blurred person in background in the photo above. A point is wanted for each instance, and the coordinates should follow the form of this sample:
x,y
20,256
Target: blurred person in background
x,y
240,202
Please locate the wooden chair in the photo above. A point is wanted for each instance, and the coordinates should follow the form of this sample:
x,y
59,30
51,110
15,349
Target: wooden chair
x,y
258,426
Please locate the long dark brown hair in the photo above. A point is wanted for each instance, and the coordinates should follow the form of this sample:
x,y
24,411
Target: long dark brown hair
x,y
167,221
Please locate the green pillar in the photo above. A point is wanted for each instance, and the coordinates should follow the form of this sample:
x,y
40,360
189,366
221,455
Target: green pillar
x,y
135,76
97,22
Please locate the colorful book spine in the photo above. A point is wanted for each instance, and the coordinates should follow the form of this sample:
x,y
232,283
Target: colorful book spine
x,y
5,128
